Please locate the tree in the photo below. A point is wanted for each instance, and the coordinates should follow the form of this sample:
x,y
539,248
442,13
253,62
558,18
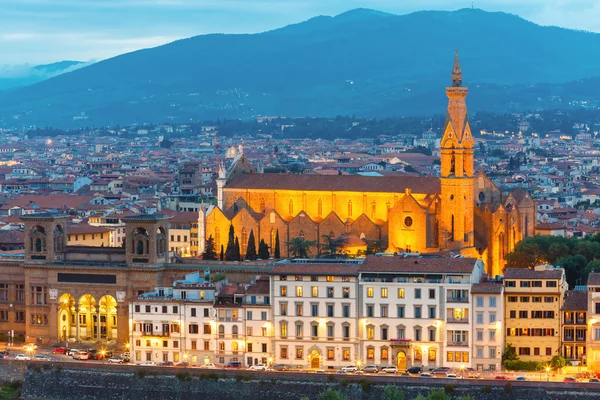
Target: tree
x,y
331,394
263,250
558,362
509,354
526,254
222,254
237,254
391,392
230,250
374,247
251,248
209,249
277,251
166,144
574,269
334,246
300,248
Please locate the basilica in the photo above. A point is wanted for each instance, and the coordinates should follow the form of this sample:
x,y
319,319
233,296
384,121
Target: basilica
x,y
460,212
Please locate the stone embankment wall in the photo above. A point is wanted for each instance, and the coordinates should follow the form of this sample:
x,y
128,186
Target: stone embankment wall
x,y
70,382
11,370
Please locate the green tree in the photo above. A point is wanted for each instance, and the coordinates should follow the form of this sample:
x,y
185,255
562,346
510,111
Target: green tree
x,y
556,251
374,247
236,250
334,246
509,354
251,248
209,249
574,269
222,254
300,248
558,362
593,266
526,254
230,250
391,392
587,248
263,250
166,144
277,251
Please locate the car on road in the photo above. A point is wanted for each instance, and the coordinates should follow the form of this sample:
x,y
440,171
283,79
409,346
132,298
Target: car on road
x,y
349,369
390,369
425,375
183,364
258,367
116,360
594,380
81,355
415,370
59,350
280,367
521,378
234,364
570,379
371,369
319,371
70,352
452,376
149,364
41,357
166,364
208,366
22,357
502,378
440,371
96,355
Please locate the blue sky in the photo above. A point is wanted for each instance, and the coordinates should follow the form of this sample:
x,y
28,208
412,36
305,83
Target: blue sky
x,y
44,31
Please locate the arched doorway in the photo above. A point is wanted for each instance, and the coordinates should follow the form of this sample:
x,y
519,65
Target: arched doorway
x,y
401,361
66,317
87,317
108,317
315,359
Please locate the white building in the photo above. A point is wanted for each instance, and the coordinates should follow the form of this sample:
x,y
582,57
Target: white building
x,y
315,315
258,323
486,319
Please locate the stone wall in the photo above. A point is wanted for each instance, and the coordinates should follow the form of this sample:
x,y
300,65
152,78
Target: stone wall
x,y
11,370
81,382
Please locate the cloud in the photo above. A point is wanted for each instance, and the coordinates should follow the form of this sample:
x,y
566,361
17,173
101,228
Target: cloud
x,y
43,31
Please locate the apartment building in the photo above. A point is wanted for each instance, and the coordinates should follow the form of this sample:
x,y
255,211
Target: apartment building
x,y
315,314
486,319
231,344
174,323
532,304
573,315
593,307
258,325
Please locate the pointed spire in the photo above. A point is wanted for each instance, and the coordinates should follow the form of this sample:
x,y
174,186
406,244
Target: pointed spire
x,y
456,72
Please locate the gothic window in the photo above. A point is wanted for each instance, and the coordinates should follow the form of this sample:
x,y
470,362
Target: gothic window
x,y
291,207
373,210
38,245
236,208
217,239
140,247
244,241
272,239
301,235
262,204
452,163
320,208
501,246
349,208
526,225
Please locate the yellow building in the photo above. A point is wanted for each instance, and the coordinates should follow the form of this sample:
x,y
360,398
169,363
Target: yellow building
x,y
461,211
87,235
532,311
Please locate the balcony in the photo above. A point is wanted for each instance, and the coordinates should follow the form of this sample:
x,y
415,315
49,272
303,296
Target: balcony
x,y
571,321
457,320
400,342
454,299
229,319
458,344
157,333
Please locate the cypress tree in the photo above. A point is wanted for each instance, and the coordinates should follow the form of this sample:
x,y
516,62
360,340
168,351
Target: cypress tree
x,y
222,254
277,251
263,250
251,248
230,250
236,250
209,249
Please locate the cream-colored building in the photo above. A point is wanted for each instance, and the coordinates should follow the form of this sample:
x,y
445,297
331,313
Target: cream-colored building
x,y
258,323
315,315
532,302
88,235
486,319
593,320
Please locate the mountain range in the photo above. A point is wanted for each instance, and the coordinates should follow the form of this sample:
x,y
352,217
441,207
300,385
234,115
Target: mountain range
x,y
361,62
12,76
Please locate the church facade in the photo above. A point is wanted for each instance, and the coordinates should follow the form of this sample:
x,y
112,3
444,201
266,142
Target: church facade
x,y
462,211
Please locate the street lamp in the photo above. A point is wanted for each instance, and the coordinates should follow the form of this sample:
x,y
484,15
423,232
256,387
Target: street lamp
x,y
462,371
547,374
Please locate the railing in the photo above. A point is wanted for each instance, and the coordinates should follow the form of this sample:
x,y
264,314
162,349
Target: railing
x,y
455,343
400,342
458,320
229,319
579,321
453,299
152,333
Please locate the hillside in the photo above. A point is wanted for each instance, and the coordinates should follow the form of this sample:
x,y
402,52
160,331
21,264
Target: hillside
x,y
12,76
361,62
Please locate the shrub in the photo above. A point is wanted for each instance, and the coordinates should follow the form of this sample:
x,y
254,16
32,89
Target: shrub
x,y
58,369
141,373
487,389
345,382
518,365
262,382
246,378
365,385
437,394
183,376
392,392
331,394
239,378
14,385
449,388
213,376
331,378
508,388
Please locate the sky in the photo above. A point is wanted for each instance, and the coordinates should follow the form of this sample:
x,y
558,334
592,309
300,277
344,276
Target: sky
x,y
44,31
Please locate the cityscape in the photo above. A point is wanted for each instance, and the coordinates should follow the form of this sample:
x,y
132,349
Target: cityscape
x,y
448,254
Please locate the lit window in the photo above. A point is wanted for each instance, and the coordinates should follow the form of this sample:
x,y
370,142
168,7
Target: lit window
x,y
370,292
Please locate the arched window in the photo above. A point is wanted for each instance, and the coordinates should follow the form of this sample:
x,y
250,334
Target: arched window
x,y
320,208
38,245
140,247
221,346
272,239
526,225
291,207
234,346
373,210
452,231
349,208
217,239
301,235
244,241
221,329
234,330
501,246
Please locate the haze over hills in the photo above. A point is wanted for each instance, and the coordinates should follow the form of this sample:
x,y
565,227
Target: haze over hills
x,y
360,62
22,75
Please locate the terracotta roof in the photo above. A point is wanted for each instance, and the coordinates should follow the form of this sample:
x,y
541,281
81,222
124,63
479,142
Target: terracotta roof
x,y
528,273
187,216
484,288
84,228
400,264
575,300
593,279
316,269
341,183
260,287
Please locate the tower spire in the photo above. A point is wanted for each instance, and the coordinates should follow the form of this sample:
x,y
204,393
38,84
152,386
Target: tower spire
x,y
456,72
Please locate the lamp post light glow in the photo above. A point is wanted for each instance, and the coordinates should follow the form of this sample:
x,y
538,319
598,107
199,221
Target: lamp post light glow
x,y
462,371
547,374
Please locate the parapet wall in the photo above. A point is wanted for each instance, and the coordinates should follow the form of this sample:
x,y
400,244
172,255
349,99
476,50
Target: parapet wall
x,y
82,382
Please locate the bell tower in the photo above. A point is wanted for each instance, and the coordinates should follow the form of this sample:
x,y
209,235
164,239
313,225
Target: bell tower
x,y
457,170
